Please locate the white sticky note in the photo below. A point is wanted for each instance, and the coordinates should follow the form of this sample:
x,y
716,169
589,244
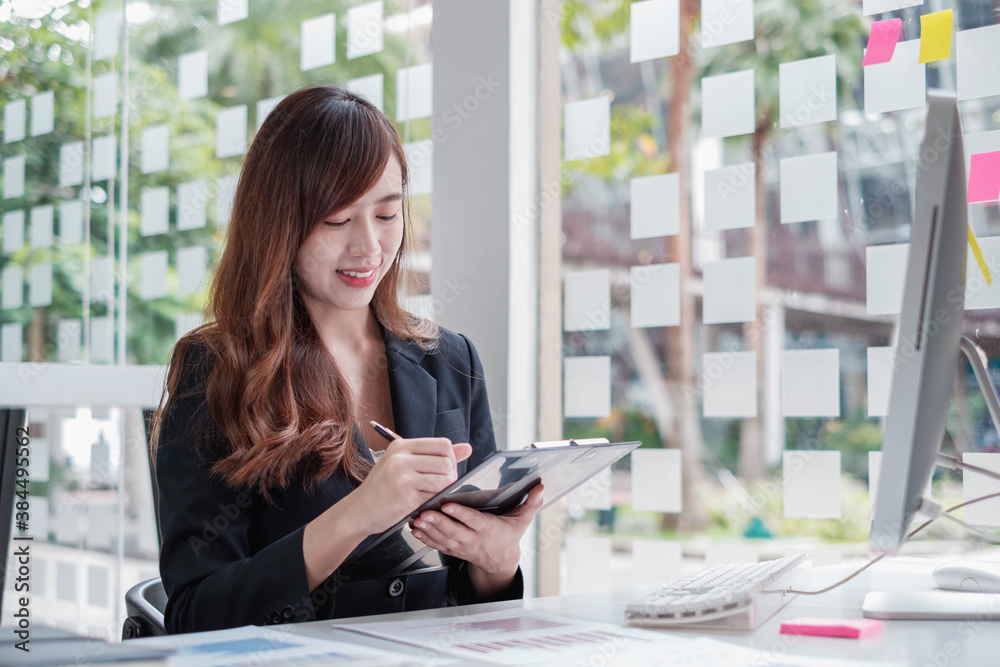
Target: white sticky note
x,y
155,149
66,584
880,361
43,113
729,554
104,158
655,562
100,534
13,231
231,131
106,34
730,291
69,336
15,115
587,128
225,192
654,29
730,198
810,383
976,485
977,53
811,484
40,288
105,95
727,104
230,11
192,74
71,221
13,177
265,107
68,517
71,163
413,92
587,565
809,187
587,387
12,348
594,494
587,300
726,22
978,294
655,206
656,480
885,276
898,84
192,204
101,340
39,526
13,287
154,275
191,267
154,206
38,471
869,7
807,91
420,160
318,42
730,382
102,278
186,322
364,29
41,226
655,295
370,87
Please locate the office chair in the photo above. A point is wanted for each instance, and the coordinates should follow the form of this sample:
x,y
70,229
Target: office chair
x,y
146,601
144,604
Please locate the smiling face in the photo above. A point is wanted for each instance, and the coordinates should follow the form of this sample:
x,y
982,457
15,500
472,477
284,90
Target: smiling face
x,y
347,254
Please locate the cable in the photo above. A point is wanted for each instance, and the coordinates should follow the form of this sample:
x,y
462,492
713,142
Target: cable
x,y
975,529
881,556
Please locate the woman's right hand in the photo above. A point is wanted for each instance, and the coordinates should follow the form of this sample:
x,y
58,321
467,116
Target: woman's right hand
x,y
411,471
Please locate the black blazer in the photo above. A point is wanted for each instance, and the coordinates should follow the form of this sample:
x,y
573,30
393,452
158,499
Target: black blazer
x,y
229,558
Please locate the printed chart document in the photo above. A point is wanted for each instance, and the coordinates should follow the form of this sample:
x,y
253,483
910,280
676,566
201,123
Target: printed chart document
x,y
252,646
520,637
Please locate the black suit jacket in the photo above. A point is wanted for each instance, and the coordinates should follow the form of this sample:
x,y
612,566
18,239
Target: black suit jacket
x,y
228,558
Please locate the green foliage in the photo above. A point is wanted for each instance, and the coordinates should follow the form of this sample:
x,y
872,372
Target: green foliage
x,y
619,426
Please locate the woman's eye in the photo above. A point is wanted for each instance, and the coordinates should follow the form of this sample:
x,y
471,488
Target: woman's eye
x,y
387,217
331,223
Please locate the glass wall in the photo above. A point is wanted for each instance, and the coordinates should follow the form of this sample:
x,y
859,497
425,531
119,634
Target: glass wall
x,y
107,253
738,196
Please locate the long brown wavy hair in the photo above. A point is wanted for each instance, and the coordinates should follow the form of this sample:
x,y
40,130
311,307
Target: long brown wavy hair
x,y
275,390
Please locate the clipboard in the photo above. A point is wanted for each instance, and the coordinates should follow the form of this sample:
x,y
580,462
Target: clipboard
x,y
497,485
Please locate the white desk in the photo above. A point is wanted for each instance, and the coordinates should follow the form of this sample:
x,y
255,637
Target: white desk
x,y
920,643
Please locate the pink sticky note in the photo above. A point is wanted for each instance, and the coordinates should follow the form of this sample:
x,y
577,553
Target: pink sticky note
x,y
852,628
984,177
882,41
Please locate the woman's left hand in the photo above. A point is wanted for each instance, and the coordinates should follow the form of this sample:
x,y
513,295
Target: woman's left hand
x,y
490,543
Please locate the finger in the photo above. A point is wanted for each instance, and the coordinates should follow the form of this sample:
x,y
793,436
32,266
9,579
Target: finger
x,y
430,447
443,530
433,465
463,450
466,515
531,504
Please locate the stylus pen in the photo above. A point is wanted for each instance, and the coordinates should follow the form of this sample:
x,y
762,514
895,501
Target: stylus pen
x,y
384,432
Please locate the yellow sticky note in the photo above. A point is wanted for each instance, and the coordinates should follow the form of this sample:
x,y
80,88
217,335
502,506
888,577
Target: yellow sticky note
x,y
983,268
935,36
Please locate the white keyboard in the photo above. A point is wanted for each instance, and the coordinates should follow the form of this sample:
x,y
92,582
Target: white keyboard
x,y
732,596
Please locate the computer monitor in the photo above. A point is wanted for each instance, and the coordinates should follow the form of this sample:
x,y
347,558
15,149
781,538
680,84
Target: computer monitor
x,y
930,327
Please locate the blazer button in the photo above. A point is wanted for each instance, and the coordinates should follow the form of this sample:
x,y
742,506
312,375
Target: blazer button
x,y
288,613
396,587
275,617
265,620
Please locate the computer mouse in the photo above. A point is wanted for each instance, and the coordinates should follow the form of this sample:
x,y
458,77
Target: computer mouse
x,y
968,575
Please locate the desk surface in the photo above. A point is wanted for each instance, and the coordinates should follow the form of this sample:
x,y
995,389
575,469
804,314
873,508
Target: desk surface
x,y
920,643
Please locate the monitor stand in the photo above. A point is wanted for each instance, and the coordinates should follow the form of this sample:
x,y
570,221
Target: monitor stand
x,y
939,604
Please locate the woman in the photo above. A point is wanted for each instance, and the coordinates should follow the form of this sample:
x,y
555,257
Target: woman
x,y
264,459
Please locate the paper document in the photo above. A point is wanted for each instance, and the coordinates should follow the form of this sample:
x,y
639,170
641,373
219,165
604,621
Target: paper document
x,y
520,637
705,652
250,646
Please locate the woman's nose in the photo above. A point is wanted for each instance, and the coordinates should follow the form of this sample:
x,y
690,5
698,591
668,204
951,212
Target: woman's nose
x,y
364,242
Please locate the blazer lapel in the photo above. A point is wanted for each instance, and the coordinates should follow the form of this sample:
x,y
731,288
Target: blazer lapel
x,y
412,389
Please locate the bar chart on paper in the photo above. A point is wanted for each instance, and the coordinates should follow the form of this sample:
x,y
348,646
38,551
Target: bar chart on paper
x,y
517,637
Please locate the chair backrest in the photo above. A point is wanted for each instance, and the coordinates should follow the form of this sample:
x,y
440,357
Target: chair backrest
x,y
145,603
